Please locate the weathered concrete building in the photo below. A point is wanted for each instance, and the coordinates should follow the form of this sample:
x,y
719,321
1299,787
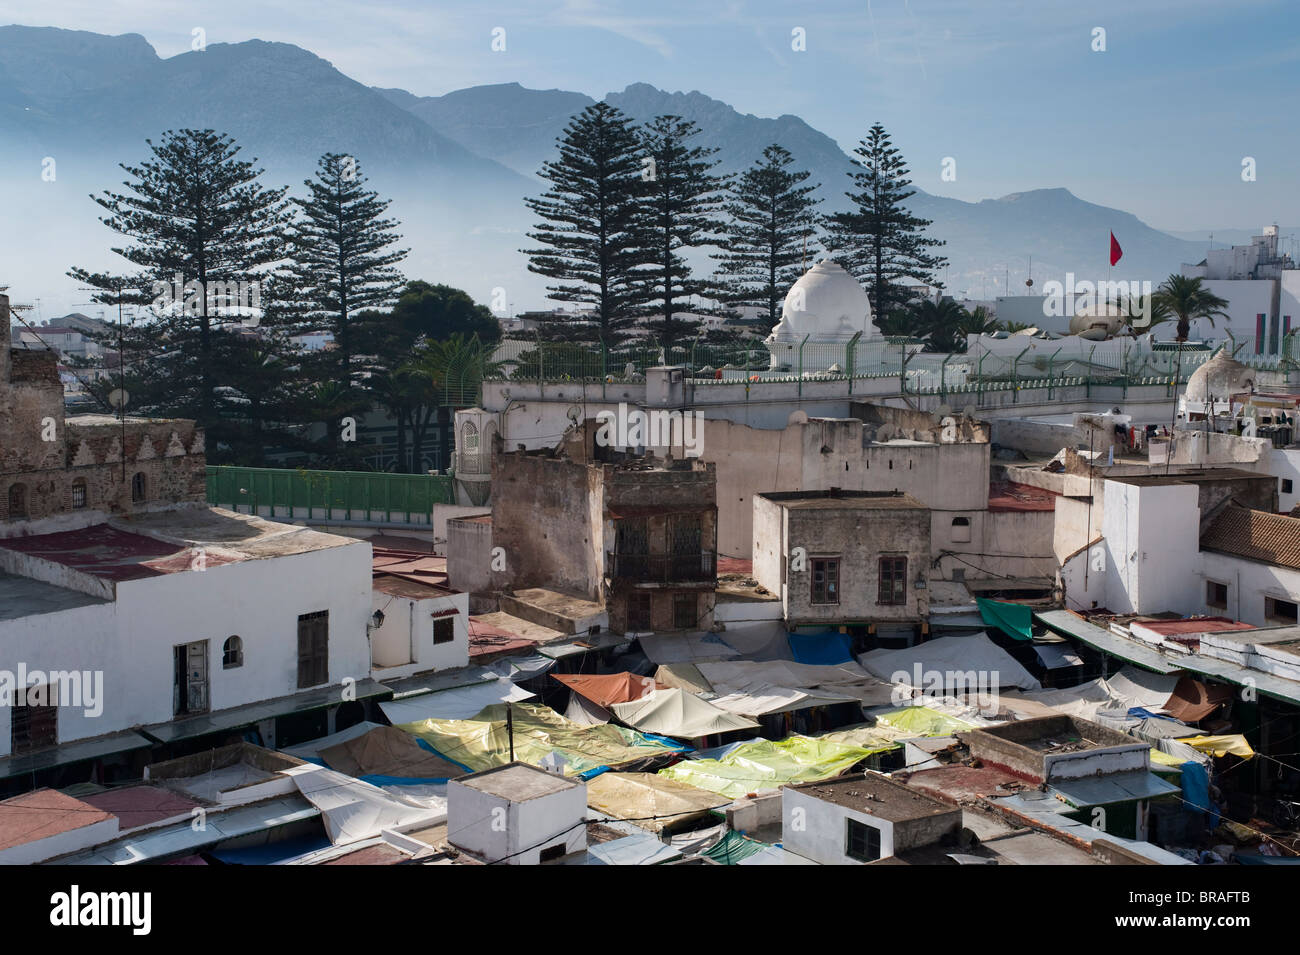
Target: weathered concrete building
x,y
636,534
132,615
840,557
862,819
50,467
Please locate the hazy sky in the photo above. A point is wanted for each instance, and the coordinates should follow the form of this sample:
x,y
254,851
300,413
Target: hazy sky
x,y
1158,124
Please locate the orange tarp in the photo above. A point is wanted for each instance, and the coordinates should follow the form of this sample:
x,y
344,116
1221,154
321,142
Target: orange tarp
x,y
608,688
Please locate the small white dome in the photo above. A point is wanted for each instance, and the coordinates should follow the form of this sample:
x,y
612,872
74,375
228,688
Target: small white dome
x,y
827,304
1220,377
1097,322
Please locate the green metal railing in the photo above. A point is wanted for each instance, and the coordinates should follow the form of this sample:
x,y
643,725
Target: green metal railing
x,y
329,495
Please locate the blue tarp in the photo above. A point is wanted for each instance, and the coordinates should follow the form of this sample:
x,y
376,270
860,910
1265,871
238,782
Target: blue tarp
x,y
1196,790
270,853
823,649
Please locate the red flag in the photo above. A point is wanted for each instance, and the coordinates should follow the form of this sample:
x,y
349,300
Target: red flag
x,y
1116,253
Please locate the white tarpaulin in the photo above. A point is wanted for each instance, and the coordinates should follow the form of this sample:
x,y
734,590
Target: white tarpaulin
x,y
762,700
353,810
1128,688
1082,701
838,681
678,714
462,703
759,639
1133,686
684,647
953,661
584,712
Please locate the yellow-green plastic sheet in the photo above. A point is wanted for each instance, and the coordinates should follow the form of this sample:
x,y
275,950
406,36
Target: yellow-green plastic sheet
x,y
764,764
482,742
922,721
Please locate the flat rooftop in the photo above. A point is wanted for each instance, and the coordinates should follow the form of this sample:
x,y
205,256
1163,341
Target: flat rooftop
x,y
164,542
517,782
1010,496
876,796
844,500
44,813
1199,476
22,597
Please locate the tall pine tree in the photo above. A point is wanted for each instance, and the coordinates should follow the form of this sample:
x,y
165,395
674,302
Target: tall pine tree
x,y
879,240
204,233
342,259
772,217
588,240
680,213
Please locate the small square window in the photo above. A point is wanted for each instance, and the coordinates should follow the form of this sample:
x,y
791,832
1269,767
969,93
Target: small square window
x,y
1216,595
862,842
444,630
1283,611
1286,485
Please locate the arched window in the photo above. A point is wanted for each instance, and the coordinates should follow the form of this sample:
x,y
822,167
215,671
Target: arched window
x,y
961,530
232,653
138,487
79,493
17,501
469,448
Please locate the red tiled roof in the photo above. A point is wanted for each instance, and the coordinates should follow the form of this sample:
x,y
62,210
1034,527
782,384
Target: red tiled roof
x,y
1255,535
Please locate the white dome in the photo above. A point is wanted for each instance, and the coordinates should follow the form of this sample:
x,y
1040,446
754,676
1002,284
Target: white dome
x,y
828,305
1221,377
1097,322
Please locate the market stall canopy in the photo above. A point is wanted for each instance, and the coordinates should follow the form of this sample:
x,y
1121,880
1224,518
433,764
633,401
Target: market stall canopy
x,y
765,765
951,661
607,689
484,742
455,704
1015,620
679,714
388,753
1192,700
650,800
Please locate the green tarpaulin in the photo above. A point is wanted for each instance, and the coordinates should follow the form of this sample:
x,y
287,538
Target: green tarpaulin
x,y
1015,620
733,847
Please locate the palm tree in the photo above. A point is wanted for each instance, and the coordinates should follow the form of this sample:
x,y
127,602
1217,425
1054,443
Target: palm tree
x,y
1187,299
452,372
1137,324
939,323
979,322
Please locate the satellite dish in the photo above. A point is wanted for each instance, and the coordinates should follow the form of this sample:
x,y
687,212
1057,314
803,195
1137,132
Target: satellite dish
x,y
118,399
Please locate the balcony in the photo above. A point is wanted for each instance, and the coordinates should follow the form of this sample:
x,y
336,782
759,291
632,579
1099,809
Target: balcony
x,y
662,568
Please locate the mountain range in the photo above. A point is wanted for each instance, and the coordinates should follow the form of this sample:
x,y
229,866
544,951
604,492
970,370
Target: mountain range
x,y
456,166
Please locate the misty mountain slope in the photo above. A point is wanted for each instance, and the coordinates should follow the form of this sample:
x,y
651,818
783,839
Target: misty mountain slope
x,y
1062,232
457,167
516,126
